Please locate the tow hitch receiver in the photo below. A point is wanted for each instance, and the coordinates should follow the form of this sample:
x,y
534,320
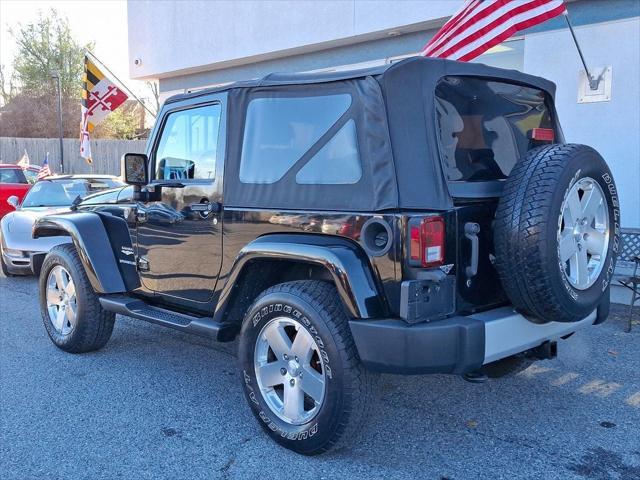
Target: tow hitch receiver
x,y
475,377
546,351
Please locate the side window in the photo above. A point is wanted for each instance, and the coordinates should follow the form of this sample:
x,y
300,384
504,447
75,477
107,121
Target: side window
x,y
336,163
280,130
188,144
12,175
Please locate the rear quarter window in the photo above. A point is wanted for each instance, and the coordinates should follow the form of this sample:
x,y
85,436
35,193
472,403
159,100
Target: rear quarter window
x,y
484,126
280,131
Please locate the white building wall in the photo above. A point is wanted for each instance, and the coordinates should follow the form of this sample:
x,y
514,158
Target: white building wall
x,y
613,127
216,42
215,34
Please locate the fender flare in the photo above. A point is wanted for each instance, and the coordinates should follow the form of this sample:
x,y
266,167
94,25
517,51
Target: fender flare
x,y
91,240
345,261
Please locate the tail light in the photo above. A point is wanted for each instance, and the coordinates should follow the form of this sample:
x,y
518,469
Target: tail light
x,y
542,134
426,241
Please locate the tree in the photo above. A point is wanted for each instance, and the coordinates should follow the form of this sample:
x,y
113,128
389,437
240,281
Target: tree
x,y
154,101
37,117
8,88
127,122
46,46
29,95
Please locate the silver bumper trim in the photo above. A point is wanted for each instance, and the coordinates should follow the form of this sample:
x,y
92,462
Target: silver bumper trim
x,y
507,332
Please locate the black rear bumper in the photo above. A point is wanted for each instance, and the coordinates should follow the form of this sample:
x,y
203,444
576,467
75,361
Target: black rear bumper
x,y
458,344
455,345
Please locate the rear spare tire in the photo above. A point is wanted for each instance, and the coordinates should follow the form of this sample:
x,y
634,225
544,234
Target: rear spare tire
x,y
557,232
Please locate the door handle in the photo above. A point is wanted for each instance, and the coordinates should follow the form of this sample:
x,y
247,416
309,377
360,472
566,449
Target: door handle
x,y
169,184
205,207
471,231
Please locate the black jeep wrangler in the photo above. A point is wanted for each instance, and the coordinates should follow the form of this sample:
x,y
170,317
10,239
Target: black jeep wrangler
x,y
421,217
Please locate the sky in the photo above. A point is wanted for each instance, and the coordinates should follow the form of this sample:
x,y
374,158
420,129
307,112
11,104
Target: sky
x,y
103,22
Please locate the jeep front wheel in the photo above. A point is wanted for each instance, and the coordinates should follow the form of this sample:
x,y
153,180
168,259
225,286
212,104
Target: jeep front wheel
x,y
300,369
71,312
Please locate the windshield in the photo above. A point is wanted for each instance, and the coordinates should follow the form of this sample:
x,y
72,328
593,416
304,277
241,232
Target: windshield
x,y
114,195
32,175
61,193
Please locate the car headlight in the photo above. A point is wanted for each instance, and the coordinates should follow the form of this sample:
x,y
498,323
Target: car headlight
x,y
10,252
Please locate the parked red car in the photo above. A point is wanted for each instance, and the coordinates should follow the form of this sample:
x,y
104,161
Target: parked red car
x,y
14,180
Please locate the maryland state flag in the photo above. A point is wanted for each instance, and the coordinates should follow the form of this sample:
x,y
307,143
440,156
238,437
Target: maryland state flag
x,y
100,97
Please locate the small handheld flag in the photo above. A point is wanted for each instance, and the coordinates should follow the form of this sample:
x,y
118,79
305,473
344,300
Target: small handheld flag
x,y
100,97
24,161
482,24
44,171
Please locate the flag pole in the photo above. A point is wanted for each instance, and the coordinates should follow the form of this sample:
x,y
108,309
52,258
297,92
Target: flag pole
x,y
593,81
122,84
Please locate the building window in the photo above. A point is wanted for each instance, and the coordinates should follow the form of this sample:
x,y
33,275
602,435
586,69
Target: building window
x,y
509,54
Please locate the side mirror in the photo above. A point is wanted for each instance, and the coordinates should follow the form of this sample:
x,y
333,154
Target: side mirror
x,y
135,169
13,201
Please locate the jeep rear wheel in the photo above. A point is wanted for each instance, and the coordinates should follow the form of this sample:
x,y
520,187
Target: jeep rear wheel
x,y
301,373
71,312
556,232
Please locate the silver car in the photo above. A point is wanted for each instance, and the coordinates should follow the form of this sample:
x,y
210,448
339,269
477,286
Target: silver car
x,y
20,253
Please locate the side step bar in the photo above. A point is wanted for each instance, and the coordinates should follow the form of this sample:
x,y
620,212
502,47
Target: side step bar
x,y
136,308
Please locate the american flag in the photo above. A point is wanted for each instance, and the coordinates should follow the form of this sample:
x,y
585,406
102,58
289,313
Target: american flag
x,y
482,24
44,171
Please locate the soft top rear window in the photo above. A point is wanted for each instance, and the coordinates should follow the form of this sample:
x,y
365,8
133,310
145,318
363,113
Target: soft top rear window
x,y
484,126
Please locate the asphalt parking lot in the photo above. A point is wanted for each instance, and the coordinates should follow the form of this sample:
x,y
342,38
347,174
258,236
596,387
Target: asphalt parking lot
x,y
158,404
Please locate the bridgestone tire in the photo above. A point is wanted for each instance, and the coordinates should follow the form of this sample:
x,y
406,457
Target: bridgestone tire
x,y
317,307
94,325
528,222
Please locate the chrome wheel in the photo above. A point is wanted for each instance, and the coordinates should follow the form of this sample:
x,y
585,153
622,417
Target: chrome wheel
x,y
289,370
583,233
61,300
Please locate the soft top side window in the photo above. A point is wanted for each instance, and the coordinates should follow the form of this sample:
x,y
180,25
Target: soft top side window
x,y
337,162
281,130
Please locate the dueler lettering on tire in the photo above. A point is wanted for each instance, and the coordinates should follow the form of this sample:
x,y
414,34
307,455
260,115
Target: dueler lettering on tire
x,y
300,370
557,232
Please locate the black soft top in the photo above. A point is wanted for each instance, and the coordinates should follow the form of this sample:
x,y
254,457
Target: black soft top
x,y
398,144
436,65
